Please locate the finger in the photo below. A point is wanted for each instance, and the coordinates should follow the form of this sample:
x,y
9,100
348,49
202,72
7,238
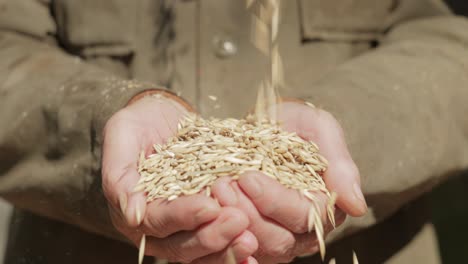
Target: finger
x,y
210,238
242,247
342,175
120,153
303,244
131,234
125,137
273,239
308,243
169,112
164,218
250,260
274,201
224,192
131,204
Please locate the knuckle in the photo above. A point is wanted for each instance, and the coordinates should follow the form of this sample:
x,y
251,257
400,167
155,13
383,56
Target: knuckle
x,y
159,226
287,259
306,246
174,254
260,253
278,251
281,249
208,243
269,208
297,225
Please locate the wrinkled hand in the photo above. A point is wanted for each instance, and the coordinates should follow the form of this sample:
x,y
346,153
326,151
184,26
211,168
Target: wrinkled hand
x,y
278,216
193,229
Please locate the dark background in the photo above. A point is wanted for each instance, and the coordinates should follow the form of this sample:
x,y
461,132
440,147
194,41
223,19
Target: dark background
x,y
459,6
450,200
449,215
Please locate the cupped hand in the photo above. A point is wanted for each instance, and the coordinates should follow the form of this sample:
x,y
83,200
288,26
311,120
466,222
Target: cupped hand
x,y
279,216
192,229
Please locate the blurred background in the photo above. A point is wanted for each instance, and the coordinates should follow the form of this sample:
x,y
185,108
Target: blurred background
x,y
449,214
449,203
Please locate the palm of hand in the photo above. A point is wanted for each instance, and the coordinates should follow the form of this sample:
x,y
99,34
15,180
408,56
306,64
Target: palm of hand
x,y
190,229
132,130
279,228
278,216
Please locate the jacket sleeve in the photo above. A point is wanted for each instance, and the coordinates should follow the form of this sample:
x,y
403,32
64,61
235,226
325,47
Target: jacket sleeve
x,y
53,108
403,108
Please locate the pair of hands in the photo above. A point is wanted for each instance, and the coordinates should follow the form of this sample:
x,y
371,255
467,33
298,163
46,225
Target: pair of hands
x,y
259,219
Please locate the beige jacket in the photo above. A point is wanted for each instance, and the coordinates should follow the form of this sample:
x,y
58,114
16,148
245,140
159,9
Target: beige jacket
x,y
394,73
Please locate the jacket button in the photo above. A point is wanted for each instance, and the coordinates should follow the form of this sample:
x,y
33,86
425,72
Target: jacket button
x,y
224,46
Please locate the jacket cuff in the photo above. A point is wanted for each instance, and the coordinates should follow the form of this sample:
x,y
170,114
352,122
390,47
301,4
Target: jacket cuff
x,y
161,92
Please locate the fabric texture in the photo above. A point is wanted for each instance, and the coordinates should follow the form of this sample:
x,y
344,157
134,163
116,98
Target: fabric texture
x,y
393,74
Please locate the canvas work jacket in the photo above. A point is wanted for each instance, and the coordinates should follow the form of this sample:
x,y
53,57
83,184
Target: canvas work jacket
x,y
394,74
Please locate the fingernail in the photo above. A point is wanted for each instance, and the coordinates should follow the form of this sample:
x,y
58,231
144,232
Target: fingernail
x,y
252,186
251,260
123,202
207,213
359,196
247,241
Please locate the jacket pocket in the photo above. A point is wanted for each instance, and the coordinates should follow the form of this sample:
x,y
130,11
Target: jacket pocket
x,y
92,28
345,20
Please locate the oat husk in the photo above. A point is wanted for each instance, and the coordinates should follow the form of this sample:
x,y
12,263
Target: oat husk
x,y
355,259
230,258
204,150
141,252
